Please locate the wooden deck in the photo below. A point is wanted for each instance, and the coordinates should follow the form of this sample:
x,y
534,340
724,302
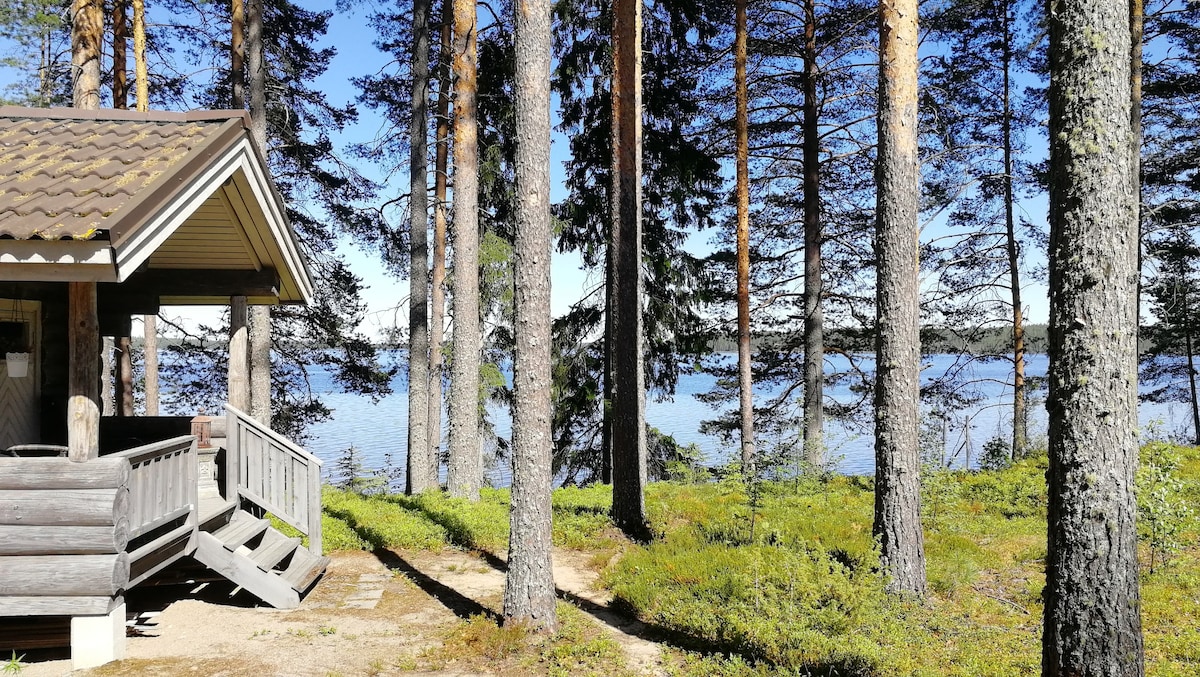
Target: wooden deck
x,y
75,536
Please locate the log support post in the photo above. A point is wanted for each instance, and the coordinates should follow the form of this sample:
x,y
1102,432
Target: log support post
x,y
239,354
83,406
96,640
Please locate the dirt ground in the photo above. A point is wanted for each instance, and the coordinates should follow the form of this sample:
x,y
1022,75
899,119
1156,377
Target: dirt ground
x,y
377,613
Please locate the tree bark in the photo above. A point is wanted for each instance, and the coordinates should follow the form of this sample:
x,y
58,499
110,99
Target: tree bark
x,y
419,464
237,54
465,475
150,356
897,365
87,31
438,283
120,65
239,363
628,431
1020,438
814,286
123,383
529,596
260,316
107,372
1137,21
1092,610
141,76
742,134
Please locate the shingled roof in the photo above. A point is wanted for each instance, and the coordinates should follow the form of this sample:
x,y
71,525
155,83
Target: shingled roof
x,y
130,191
74,174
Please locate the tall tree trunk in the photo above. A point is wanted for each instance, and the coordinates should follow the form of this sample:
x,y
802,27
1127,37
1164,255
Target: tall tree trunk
x,y
260,315
742,133
123,345
465,475
142,87
239,359
629,391
87,31
150,357
438,283
141,76
120,66
814,286
420,465
237,54
1092,610
123,376
1020,438
898,347
1190,346
529,596
1137,21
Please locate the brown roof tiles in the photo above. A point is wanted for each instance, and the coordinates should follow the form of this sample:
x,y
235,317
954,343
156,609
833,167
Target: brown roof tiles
x,y
76,174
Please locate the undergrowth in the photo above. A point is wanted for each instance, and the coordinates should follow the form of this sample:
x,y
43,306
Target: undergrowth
x,y
804,594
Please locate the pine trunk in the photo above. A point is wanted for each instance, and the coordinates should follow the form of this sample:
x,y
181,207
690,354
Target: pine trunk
x,y
260,316
107,388
628,431
529,596
438,281
120,65
1020,438
1092,604
141,76
742,133
150,356
1137,26
123,383
237,54
419,465
897,367
87,32
466,461
814,316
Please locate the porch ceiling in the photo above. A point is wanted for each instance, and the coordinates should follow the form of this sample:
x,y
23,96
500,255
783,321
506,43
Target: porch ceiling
x,y
112,196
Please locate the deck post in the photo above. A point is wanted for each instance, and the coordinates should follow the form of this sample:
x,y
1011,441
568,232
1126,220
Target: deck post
x,y
96,640
83,405
239,354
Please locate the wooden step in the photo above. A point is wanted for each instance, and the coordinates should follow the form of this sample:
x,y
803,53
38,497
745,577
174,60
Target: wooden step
x,y
274,548
242,529
304,569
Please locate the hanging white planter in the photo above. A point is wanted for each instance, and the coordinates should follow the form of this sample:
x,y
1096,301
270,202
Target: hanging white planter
x,y
18,364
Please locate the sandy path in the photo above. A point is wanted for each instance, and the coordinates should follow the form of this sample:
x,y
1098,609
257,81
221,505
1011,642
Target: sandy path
x,y
370,615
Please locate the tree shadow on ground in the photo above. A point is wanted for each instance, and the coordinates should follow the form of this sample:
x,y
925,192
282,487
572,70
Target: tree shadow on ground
x,y
462,606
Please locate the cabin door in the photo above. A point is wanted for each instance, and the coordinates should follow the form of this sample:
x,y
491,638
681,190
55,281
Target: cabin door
x,y
20,372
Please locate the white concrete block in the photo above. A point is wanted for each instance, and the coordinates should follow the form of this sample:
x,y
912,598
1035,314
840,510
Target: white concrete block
x,y
96,640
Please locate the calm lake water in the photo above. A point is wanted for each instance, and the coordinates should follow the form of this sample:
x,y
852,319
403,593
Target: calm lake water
x,y
376,429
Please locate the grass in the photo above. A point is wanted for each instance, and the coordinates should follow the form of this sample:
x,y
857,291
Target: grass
x,y
795,588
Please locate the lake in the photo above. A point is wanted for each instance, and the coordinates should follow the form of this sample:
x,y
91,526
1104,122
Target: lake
x,y
379,428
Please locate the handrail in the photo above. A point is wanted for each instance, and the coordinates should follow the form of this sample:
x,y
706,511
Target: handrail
x,y
275,474
162,483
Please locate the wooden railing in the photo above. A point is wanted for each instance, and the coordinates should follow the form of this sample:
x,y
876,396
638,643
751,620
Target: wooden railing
x,y
163,504
275,474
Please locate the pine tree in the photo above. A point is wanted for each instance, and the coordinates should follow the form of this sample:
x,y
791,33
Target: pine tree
x,y
465,475
1092,611
529,595
422,467
1169,363
742,153
897,363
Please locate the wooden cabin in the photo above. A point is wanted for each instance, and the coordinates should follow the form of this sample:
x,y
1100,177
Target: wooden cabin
x,y
105,215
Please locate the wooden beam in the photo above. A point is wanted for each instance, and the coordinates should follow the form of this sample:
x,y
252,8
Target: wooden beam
x,y
187,282
239,354
83,404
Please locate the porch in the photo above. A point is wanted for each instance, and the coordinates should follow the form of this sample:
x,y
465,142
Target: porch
x,y
75,537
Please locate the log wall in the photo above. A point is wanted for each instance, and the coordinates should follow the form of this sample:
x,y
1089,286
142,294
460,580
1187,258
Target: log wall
x,y
64,529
